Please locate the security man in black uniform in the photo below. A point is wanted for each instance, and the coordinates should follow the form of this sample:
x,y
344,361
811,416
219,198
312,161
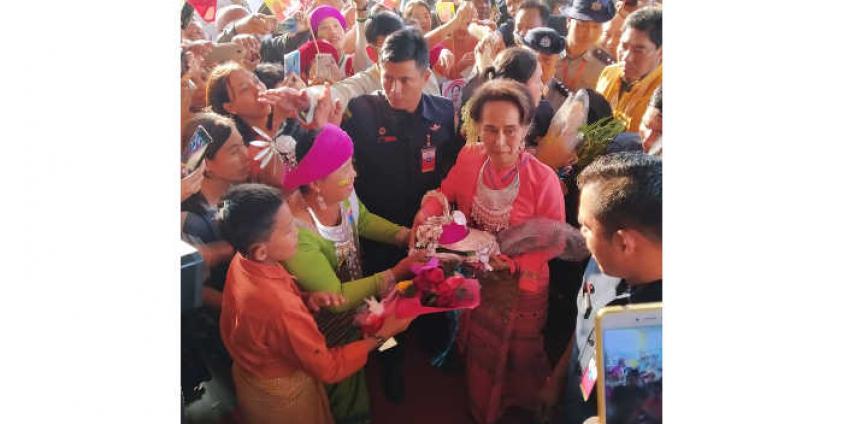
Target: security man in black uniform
x,y
405,142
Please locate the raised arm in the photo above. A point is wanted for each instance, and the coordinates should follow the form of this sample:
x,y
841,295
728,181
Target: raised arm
x,y
461,19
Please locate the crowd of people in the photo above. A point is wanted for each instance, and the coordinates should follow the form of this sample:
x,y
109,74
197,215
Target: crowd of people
x,y
336,129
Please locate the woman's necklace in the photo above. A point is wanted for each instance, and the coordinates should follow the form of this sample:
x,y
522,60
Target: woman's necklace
x,y
345,241
490,210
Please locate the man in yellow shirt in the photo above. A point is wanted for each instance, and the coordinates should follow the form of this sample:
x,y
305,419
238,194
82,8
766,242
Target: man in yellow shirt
x,y
629,84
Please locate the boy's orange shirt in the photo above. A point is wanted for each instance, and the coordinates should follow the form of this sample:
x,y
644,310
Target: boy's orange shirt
x,y
270,333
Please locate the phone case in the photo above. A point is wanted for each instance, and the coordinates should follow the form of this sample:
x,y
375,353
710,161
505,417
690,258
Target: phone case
x,y
601,375
323,66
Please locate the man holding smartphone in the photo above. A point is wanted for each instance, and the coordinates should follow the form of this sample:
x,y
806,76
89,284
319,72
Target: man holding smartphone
x,y
621,216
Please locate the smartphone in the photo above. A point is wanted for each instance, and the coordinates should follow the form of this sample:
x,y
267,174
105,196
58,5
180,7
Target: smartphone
x,y
323,62
224,52
292,63
629,364
195,150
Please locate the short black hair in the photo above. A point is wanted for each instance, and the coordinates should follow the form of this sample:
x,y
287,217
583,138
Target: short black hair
x,y
270,74
381,25
656,100
630,192
598,106
649,20
247,213
543,10
406,44
507,90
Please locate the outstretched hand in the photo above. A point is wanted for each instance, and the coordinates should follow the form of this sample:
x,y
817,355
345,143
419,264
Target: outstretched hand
x,y
318,300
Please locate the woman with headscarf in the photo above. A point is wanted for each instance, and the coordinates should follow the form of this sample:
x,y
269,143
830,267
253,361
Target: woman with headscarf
x,y
331,219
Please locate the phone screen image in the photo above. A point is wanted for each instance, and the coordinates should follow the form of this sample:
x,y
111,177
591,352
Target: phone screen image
x,y
194,152
632,366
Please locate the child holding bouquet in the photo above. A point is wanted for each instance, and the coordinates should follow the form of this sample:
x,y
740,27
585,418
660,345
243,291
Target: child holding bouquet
x,y
280,357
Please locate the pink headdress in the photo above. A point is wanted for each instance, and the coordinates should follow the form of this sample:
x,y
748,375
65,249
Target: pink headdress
x,y
321,13
331,149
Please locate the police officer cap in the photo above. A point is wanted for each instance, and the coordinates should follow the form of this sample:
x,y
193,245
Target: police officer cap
x,y
544,40
591,10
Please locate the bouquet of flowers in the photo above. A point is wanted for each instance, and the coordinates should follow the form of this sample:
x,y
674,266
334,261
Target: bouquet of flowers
x,y
434,289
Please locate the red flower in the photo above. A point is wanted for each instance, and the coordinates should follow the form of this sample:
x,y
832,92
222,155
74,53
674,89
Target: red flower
x,y
446,291
371,323
429,278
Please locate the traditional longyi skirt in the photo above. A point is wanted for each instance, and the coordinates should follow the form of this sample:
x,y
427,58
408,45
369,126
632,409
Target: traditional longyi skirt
x,y
504,347
297,398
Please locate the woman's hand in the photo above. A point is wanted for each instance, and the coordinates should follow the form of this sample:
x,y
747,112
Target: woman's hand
x,y
253,48
503,263
467,60
419,219
318,300
287,101
327,111
393,325
403,269
191,183
445,62
257,24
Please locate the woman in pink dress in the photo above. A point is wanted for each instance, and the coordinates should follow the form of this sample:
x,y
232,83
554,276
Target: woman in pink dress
x,y
498,186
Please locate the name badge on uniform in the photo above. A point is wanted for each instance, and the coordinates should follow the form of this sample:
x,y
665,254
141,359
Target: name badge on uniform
x,y
428,157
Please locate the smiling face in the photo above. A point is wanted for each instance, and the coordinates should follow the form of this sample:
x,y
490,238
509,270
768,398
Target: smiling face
x,y
338,185
637,54
331,31
243,89
502,133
